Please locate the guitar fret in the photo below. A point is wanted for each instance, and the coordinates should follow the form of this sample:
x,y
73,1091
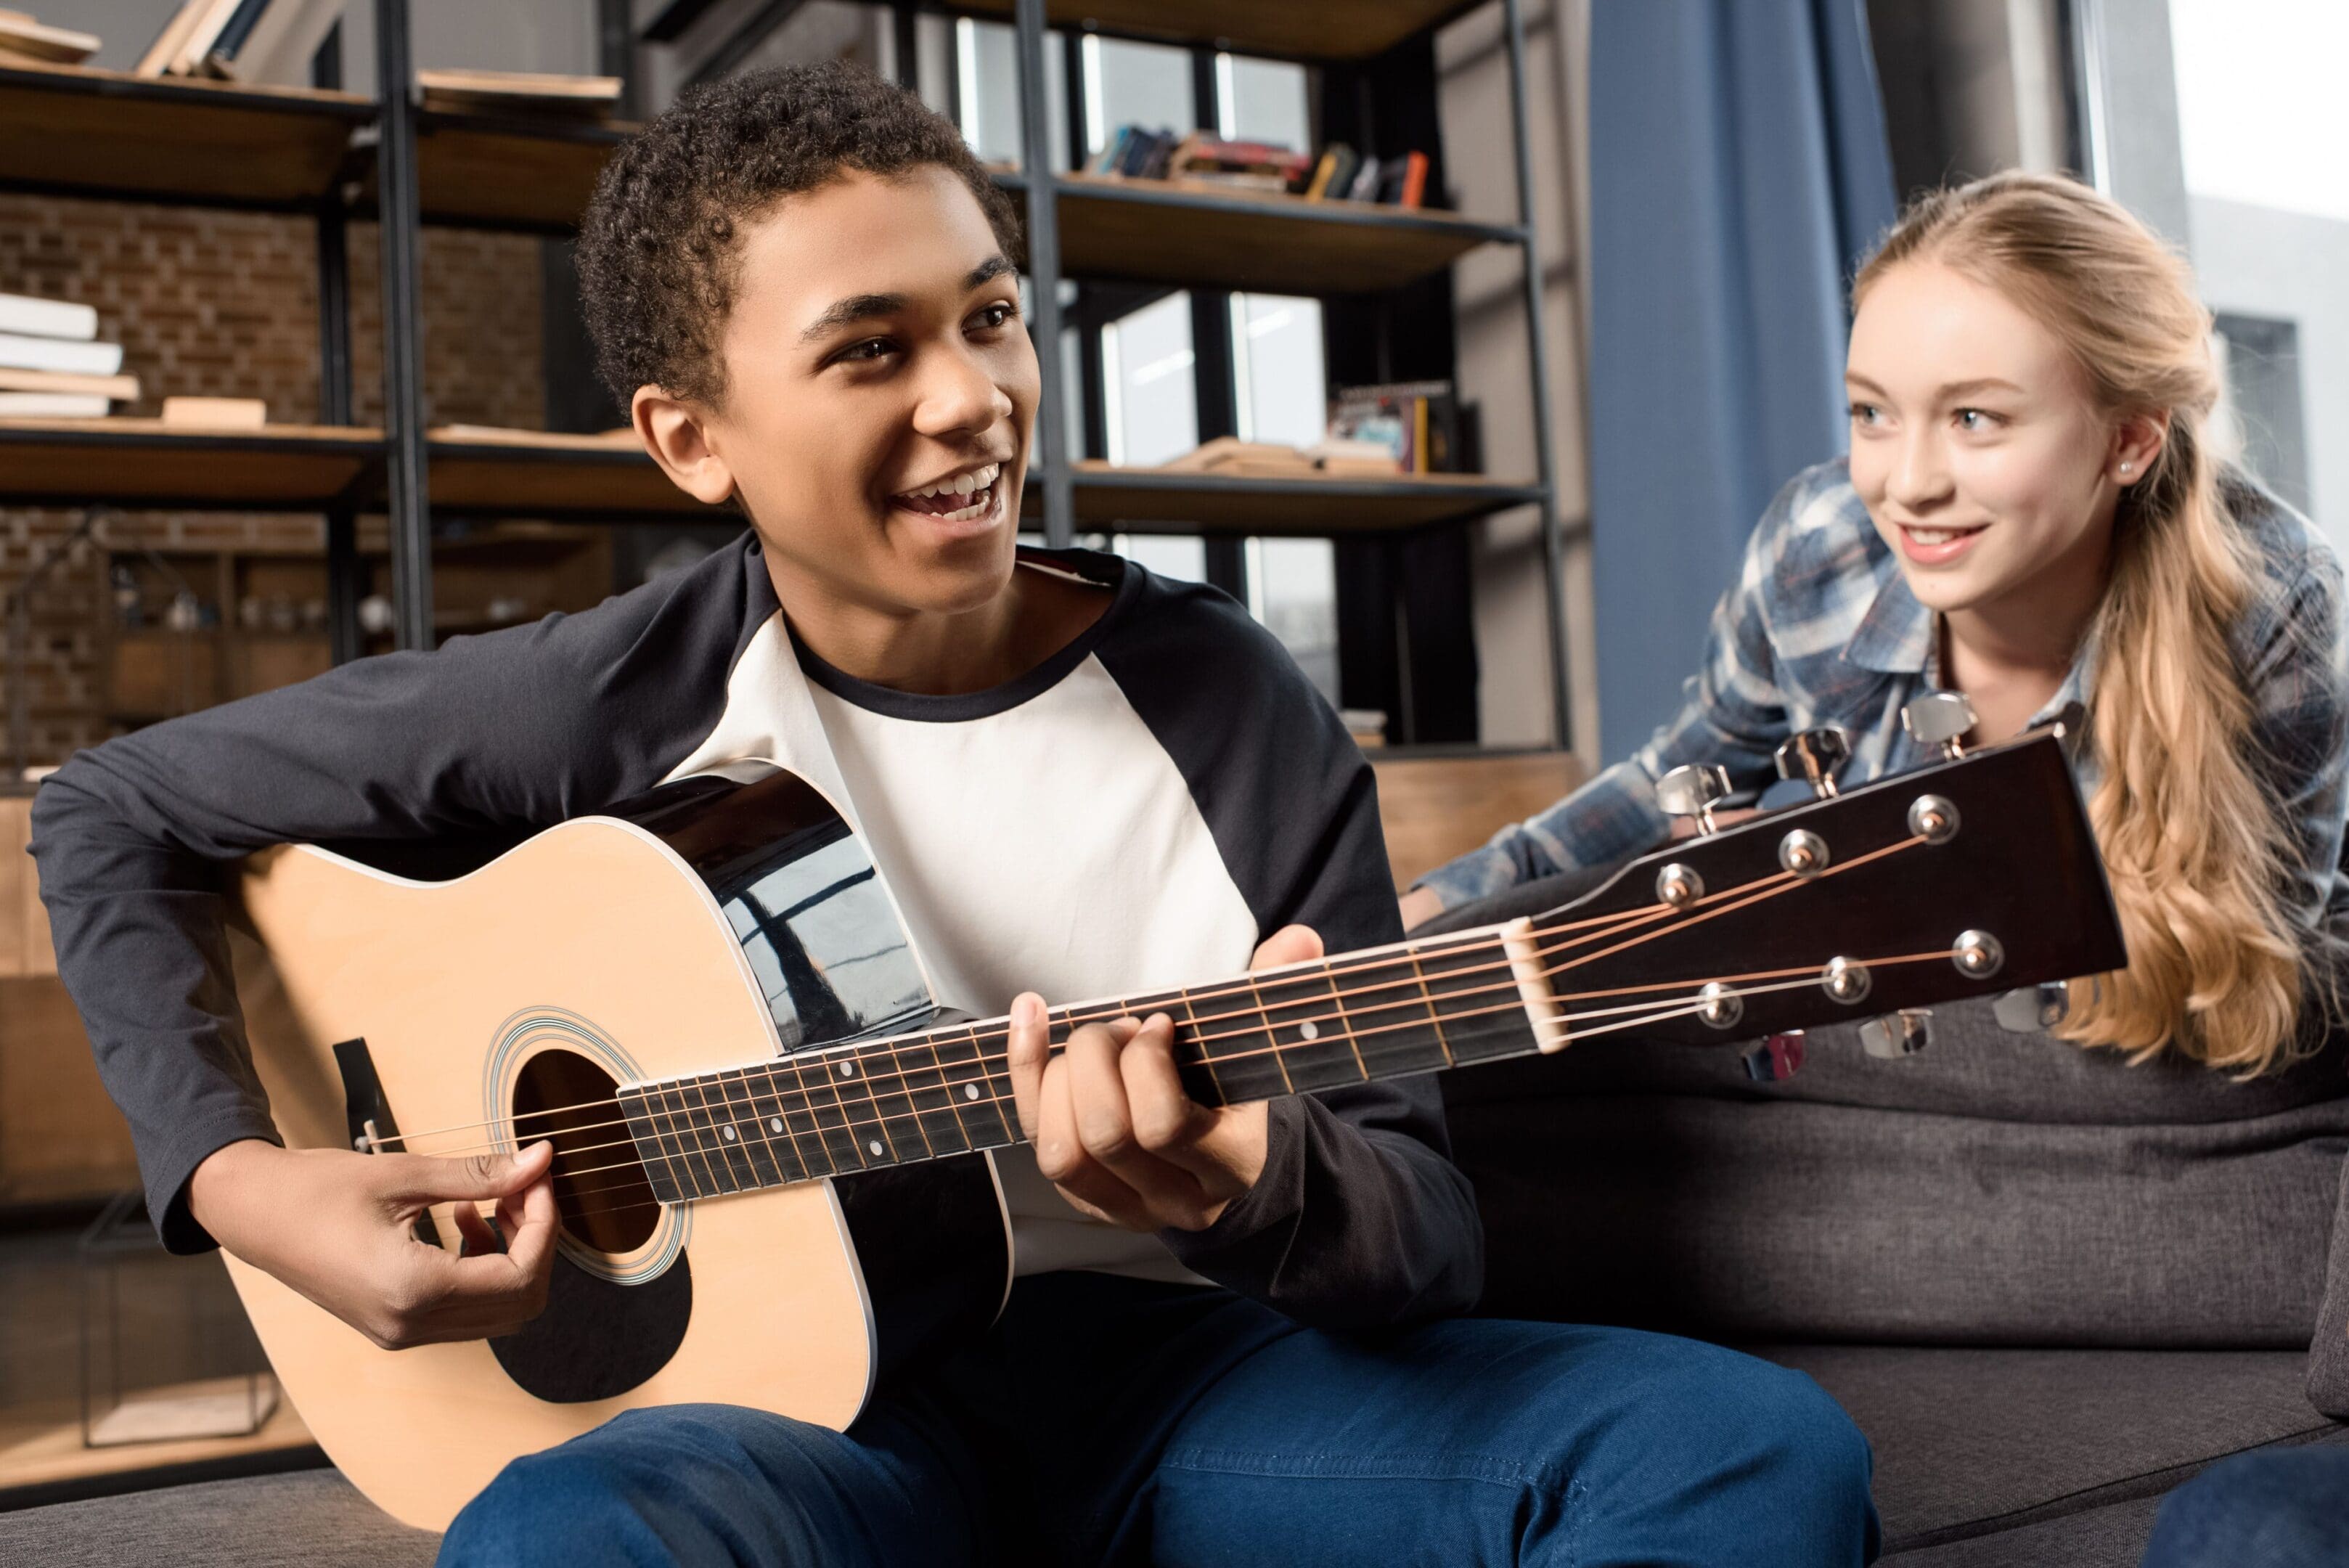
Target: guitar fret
x,y
982,1098
874,1142
1203,1054
1390,1036
750,1131
715,1126
767,1107
817,1153
701,1164
1434,1019
1314,1049
936,1110
1475,995
652,1153
835,1121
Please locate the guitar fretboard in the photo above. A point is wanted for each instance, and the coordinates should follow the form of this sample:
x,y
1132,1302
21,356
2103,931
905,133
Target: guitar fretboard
x,y
864,1105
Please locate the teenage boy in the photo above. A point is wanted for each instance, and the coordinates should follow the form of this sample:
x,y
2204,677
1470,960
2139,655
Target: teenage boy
x,y
1227,1342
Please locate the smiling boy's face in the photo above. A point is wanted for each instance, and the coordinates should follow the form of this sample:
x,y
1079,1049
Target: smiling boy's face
x,y
874,354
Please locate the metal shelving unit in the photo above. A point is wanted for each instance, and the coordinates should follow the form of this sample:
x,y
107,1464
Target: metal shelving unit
x,y
331,155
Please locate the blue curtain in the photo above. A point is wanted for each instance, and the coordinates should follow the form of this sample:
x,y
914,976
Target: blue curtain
x,y
1738,172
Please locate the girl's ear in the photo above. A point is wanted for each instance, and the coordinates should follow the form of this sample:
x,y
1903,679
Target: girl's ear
x,y
677,436
2136,446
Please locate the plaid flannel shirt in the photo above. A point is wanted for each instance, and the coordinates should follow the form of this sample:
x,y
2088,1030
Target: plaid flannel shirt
x,y
1821,628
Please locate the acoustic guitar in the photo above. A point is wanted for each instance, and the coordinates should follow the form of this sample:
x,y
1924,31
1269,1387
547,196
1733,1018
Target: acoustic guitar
x,y
771,1164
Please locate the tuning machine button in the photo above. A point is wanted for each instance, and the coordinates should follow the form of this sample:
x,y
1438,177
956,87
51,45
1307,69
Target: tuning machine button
x,y
1897,1034
1977,954
1803,853
1774,1060
1693,790
2034,1009
1814,755
1939,719
1846,982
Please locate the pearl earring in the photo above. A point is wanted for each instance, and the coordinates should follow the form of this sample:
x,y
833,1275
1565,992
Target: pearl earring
x,y
2128,466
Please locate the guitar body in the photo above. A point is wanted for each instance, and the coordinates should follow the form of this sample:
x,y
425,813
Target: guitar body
x,y
604,950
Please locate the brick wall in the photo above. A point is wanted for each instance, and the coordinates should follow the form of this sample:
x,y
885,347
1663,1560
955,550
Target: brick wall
x,y
226,304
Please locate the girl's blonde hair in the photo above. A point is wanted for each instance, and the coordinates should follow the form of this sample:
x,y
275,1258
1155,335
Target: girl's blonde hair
x,y
2194,842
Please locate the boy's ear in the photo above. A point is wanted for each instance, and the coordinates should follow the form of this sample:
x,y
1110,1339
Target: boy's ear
x,y
674,434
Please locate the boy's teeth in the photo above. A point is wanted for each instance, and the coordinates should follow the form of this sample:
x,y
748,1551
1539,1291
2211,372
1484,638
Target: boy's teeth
x,y
965,484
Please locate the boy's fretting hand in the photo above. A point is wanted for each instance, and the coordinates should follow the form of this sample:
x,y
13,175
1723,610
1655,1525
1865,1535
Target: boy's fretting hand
x,y
1113,1128
337,1227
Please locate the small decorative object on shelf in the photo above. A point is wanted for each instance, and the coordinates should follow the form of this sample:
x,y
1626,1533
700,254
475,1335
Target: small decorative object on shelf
x,y
216,414
166,1352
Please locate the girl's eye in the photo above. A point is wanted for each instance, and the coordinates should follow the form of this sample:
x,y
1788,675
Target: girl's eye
x,y
1975,421
1866,413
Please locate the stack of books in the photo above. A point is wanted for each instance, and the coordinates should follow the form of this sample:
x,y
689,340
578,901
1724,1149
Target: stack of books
x,y
211,38
1338,175
1329,459
1417,424
1345,175
24,41
517,93
51,365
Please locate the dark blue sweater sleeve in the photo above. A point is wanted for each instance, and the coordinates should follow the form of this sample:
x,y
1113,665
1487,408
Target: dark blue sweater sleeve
x,y
485,741
1360,1218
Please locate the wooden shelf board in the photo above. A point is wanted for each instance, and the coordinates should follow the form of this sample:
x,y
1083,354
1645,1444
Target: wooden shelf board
x,y
1294,29
1143,500
128,462
40,1444
73,128
540,473
1190,231
511,171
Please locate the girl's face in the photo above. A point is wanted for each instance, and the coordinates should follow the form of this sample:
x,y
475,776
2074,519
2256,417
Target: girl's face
x,y
1983,459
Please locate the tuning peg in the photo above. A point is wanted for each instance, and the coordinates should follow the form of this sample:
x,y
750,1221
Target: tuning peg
x,y
1814,755
1939,719
1774,1060
1897,1034
2033,1009
1693,790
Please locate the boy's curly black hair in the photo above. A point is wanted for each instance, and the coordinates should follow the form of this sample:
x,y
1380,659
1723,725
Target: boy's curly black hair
x,y
659,253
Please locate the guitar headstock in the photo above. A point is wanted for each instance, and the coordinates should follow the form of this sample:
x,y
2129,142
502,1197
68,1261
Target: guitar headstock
x,y
1976,876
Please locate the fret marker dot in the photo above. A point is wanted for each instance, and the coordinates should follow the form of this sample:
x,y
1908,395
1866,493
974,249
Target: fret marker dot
x,y
970,1091
848,1069
730,1134
1309,1030
874,1145
775,1124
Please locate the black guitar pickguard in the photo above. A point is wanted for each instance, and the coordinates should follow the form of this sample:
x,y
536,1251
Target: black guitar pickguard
x,y
598,1339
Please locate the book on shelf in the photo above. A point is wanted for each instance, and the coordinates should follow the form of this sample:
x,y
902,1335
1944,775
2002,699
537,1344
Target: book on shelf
x,y
1364,186
118,388
51,406
1238,459
22,38
197,45
532,92
34,318
216,414
23,351
1418,422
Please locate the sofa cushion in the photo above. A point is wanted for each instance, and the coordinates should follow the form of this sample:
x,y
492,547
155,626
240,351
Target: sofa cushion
x,y
1996,1189
1970,1442
307,1519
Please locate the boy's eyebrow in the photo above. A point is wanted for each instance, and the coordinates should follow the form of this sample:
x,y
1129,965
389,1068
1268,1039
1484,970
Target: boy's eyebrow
x,y
864,307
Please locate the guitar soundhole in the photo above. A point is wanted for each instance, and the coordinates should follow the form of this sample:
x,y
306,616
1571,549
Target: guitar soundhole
x,y
599,1185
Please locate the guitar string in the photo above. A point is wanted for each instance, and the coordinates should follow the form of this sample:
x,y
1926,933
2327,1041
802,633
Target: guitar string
x,y
1767,886
1664,1015
1803,977
767,1118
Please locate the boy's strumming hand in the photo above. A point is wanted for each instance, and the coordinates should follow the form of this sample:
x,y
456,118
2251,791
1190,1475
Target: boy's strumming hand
x,y
1111,1127
338,1227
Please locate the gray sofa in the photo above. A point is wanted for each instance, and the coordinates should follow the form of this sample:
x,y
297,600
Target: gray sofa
x,y
2049,1287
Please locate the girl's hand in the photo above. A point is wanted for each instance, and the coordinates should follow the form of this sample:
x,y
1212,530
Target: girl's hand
x,y
1113,1128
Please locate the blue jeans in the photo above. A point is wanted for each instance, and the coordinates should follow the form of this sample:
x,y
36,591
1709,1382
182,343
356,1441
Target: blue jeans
x,y
1110,1420
2285,1508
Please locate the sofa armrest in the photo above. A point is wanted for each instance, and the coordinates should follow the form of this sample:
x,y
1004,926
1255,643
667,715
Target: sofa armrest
x,y
2328,1353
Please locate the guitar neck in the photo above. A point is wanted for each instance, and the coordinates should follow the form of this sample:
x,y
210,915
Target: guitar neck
x,y
1360,1018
